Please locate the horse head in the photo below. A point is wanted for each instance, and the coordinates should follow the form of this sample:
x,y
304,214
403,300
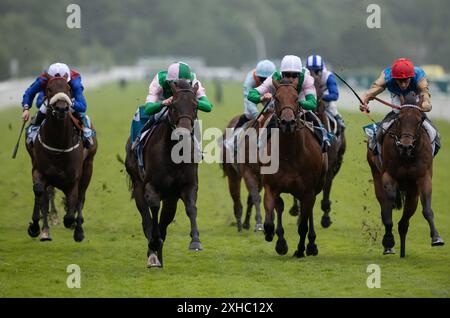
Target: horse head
x,y
59,95
286,104
183,110
408,127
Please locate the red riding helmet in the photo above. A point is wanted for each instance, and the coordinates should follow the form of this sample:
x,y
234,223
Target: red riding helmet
x,y
402,68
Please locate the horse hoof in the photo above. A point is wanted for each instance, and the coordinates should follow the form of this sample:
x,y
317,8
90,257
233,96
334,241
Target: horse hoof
x,y
294,211
153,261
69,221
388,251
325,222
281,247
299,254
195,246
312,249
33,230
268,237
45,236
246,225
78,236
437,241
259,227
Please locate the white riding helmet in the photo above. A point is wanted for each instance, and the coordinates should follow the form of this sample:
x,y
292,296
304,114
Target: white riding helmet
x,y
291,63
59,69
265,68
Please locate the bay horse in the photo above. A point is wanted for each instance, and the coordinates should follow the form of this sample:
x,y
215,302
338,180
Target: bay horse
x,y
404,174
59,160
335,155
163,179
302,169
251,174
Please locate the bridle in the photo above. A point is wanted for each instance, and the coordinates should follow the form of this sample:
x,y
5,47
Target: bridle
x,y
397,137
173,124
294,109
54,113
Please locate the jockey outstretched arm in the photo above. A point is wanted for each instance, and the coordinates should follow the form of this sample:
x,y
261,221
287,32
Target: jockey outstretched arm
x,y
306,89
40,84
422,89
31,92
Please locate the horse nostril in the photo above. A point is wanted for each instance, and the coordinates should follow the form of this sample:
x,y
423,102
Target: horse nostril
x,y
283,122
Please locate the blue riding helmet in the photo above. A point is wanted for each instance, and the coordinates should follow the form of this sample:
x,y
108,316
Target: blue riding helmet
x,y
315,62
265,68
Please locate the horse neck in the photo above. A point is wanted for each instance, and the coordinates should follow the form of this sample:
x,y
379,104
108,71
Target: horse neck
x,y
292,144
57,133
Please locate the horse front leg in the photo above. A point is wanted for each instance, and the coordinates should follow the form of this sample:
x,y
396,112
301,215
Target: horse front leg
x,y
269,206
53,213
294,210
38,189
325,204
425,187
252,183
189,198
45,235
306,208
387,204
410,207
71,205
155,246
234,186
281,246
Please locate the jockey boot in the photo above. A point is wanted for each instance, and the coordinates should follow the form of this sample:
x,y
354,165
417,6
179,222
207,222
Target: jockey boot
x,y
340,121
88,133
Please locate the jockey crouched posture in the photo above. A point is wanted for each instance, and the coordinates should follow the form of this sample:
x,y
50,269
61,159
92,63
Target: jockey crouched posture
x,y
79,105
402,79
327,85
160,96
291,68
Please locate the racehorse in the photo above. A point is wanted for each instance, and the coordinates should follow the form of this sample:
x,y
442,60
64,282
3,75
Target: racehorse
x,y
335,157
404,174
59,160
302,169
253,181
163,179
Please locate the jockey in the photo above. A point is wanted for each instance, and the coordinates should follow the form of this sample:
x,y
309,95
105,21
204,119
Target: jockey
x,y
160,96
291,67
327,85
79,102
254,78
402,79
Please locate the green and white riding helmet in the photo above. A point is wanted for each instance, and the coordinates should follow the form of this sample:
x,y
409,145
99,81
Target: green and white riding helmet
x,y
178,71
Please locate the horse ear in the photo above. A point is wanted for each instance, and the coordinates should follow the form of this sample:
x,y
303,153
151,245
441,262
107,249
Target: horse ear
x,y
276,84
173,86
196,86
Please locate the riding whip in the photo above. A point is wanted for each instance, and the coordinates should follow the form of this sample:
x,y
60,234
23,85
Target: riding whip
x,y
18,140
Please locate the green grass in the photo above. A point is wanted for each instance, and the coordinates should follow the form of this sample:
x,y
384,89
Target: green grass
x,y
113,255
